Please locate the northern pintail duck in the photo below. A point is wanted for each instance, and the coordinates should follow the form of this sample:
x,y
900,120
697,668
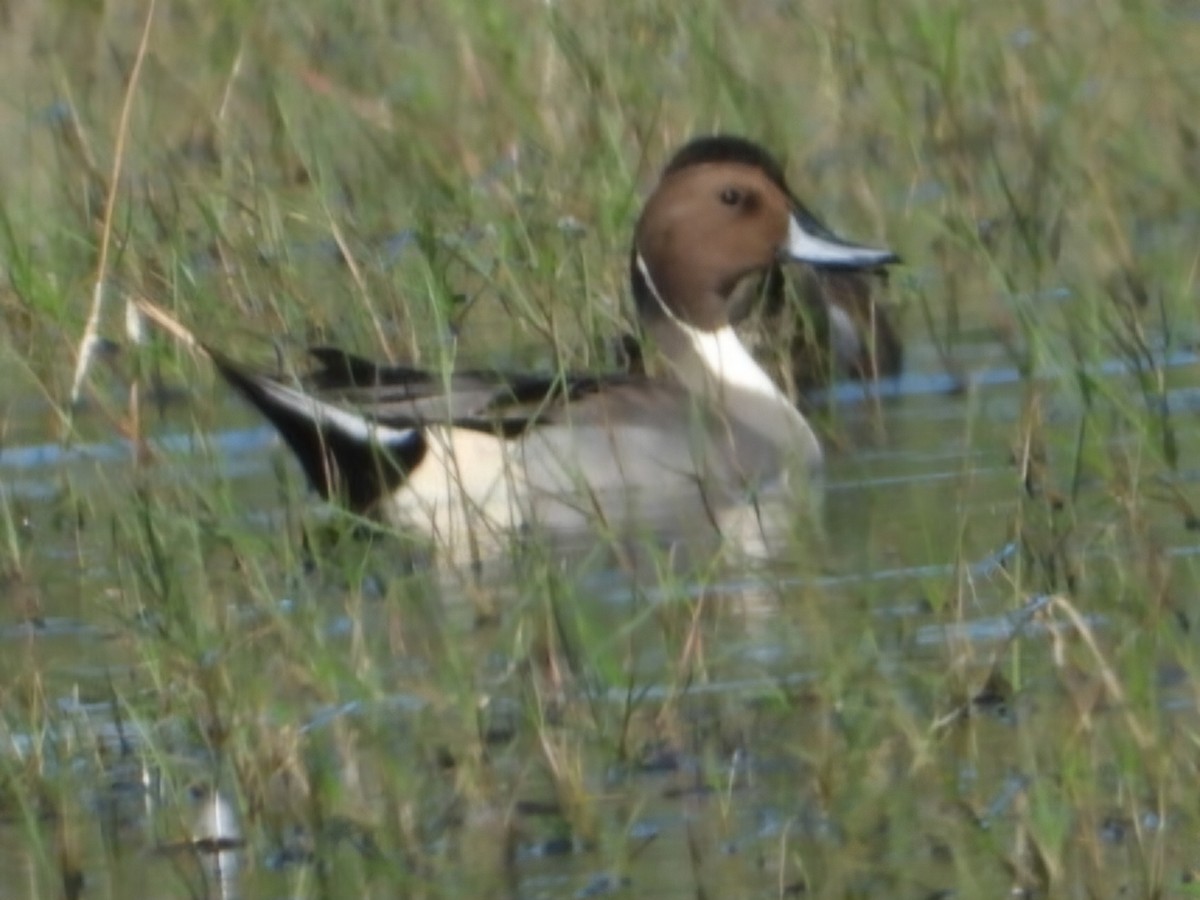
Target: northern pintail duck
x,y
459,455
808,323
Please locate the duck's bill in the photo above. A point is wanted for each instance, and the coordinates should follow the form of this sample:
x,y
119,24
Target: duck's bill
x,y
817,246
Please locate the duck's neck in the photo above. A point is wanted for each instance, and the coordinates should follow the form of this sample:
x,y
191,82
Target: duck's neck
x,y
717,367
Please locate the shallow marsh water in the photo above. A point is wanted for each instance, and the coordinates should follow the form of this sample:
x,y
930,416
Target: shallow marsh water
x,y
929,565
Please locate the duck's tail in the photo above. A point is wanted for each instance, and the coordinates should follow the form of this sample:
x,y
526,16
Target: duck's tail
x,y
345,455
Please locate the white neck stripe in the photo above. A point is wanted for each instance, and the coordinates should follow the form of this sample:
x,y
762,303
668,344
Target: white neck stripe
x,y
721,353
645,270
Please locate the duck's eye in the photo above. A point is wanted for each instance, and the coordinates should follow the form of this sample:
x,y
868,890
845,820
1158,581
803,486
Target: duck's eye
x,y
731,196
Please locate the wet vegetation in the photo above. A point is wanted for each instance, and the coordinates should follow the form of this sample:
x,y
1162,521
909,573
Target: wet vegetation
x,y
978,680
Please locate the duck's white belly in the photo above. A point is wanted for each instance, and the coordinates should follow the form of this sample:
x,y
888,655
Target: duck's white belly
x,y
472,489
613,477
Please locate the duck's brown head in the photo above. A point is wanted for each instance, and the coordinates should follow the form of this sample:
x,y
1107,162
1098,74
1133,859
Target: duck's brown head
x,y
721,212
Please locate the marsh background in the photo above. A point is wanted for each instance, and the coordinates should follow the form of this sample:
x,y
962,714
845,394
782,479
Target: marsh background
x,y
984,678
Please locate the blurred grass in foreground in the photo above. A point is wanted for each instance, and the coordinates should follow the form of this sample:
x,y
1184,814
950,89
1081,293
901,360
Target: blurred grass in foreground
x,y
456,181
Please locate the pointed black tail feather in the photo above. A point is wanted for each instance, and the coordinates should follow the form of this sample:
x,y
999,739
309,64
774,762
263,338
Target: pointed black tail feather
x,y
357,465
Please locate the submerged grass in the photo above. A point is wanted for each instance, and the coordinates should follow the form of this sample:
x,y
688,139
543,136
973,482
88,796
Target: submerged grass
x,y
897,712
